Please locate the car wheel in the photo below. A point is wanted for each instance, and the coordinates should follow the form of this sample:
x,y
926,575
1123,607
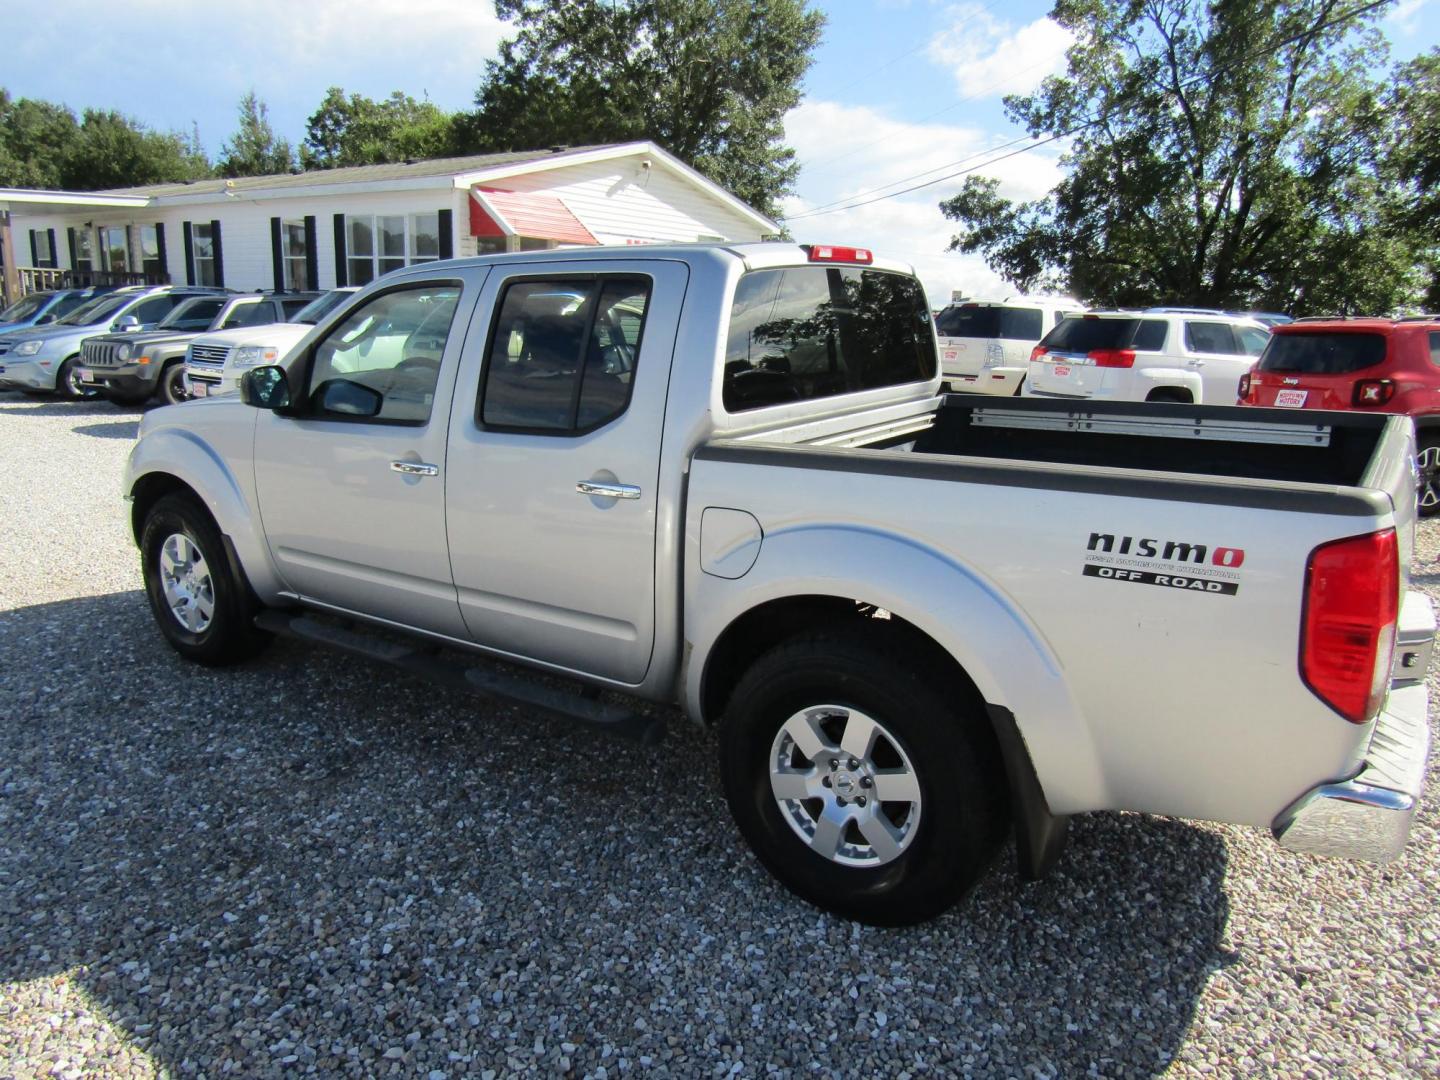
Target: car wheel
x,y
1427,463
199,599
172,384
68,384
858,784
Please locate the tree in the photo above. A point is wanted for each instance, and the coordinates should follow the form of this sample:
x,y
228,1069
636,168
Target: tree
x,y
361,131
254,149
1414,159
1224,154
43,145
708,80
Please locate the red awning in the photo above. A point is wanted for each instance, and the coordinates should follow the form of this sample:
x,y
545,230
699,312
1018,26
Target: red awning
x,y
525,213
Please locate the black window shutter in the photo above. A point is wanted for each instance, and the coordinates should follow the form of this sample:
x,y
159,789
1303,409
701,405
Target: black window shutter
x,y
189,252
34,249
277,259
219,254
447,234
312,252
341,276
160,250
70,236
54,251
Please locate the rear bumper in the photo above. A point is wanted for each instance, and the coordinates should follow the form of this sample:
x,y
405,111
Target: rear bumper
x,y
1368,817
995,380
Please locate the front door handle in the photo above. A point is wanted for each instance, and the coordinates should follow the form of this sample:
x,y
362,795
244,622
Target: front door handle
x,y
608,491
414,468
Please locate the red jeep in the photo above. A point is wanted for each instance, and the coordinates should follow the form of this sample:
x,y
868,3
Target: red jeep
x,y
1372,365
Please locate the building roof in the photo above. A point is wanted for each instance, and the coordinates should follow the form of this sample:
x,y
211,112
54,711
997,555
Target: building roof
x,y
358,174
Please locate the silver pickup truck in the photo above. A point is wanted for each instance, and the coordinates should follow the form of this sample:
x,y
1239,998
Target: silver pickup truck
x,y
722,476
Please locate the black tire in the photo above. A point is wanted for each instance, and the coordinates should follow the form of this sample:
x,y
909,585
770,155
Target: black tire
x,y
67,384
1427,464
1171,395
963,812
230,635
172,383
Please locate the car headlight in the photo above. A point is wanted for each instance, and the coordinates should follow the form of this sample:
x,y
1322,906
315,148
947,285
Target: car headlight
x,y
251,355
28,348
123,352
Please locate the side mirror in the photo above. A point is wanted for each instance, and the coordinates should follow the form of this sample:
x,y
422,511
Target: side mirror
x,y
125,324
341,397
45,320
265,388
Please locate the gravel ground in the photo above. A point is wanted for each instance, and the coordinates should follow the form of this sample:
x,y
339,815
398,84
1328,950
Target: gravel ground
x,y
310,864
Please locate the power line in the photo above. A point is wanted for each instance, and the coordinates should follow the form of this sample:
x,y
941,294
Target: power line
x,y
1276,47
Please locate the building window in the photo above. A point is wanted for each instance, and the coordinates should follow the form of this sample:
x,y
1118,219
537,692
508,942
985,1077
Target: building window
x,y
150,253
43,250
84,251
490,245
202,241
534,243
377,244
115,249
295,253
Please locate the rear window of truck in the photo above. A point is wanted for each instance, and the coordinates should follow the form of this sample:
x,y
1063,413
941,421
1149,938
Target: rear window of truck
x,y
1322,353
991,321
814,331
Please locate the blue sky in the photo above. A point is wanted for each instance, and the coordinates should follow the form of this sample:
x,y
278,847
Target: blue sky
x,y
898,87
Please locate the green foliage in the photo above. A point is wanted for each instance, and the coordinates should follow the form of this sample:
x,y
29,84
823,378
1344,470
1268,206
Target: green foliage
x,y
1225,154
361,131
43,145
708,80
1414,158
254,149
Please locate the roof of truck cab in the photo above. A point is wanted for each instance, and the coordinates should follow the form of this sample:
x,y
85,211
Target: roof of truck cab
x,y
756,256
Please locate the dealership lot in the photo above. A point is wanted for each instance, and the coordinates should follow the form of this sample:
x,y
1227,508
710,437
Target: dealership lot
x,y
311,863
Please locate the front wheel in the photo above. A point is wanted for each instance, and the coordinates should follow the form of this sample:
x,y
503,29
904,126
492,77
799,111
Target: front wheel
x,y
68,384
172,384
199,600
1427,463
859,785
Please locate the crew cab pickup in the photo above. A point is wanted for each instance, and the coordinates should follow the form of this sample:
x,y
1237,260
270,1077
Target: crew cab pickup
x,y
722,477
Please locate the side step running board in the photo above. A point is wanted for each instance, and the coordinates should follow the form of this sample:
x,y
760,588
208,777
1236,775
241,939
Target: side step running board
x,y
422,660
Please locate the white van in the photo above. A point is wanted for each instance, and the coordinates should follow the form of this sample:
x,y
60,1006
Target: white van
x,y
985,344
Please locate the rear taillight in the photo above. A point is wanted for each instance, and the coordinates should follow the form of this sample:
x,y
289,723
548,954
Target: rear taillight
x,y
1352,596
1373,391
1113,357
830,253
1038,351
1244,391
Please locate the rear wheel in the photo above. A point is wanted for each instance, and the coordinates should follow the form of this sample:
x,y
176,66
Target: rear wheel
x,y
199,600
1427,463
857,784
67,381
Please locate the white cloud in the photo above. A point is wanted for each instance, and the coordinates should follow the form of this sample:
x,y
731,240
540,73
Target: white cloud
x,y
1405,16
172,63
849,151
990,57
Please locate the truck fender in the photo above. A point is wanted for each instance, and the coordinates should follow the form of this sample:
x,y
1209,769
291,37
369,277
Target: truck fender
x,y
179,453
1005,655
1179,378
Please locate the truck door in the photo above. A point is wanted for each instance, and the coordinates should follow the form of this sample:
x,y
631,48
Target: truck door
x,y
351,487
551,493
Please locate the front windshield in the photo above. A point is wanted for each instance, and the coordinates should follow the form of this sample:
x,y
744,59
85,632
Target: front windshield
x,y
25,308
321,306
194,313
97,310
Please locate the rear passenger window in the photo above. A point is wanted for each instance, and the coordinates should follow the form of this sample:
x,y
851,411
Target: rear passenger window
x,y
1205,337
1435,347
563,354
811,332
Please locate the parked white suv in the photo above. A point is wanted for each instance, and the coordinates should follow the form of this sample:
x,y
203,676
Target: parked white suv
x,y
985,344
215,362
1161,354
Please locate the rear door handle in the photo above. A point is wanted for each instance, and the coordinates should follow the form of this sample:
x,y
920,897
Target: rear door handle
x,y
608,491
414,468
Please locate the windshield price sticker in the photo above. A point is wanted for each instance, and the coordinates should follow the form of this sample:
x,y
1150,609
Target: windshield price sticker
x,y
1168,564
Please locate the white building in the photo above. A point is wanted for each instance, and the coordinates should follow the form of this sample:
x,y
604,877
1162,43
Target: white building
x,y
320,229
